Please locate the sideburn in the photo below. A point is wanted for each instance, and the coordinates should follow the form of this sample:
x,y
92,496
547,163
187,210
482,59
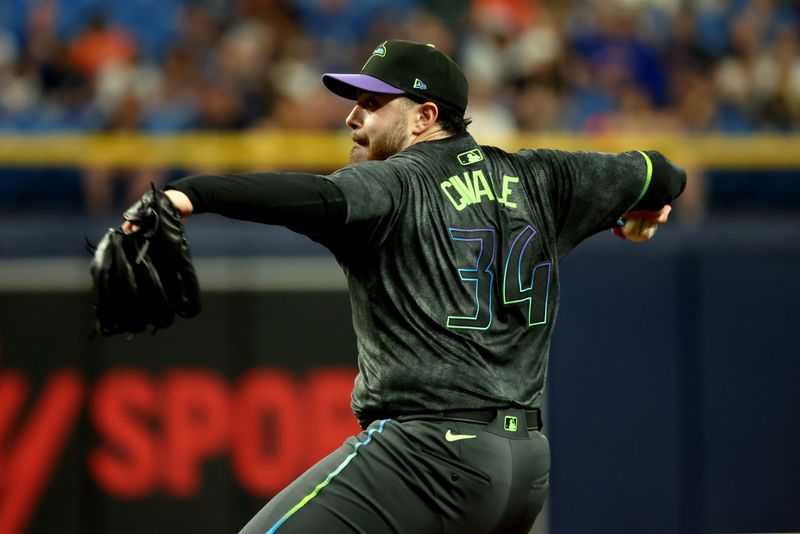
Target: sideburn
x,y
394,140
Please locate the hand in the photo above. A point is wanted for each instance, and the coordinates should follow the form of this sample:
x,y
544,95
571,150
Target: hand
x,y
144,275
641,225
179,199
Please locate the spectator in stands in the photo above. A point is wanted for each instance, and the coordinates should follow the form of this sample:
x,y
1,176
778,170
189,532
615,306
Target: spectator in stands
x,y
594,62
581,66
174,104
300,101
108,188
100,44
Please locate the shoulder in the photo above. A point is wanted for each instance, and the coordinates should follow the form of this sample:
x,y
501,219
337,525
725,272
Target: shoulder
x,y
375,180
368,169
526,158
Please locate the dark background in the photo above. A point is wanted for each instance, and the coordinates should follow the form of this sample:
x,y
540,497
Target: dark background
x,y
671,404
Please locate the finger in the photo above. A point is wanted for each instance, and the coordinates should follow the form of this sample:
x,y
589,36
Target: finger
x,y
663,214
644,229
128,227
638,229
658,217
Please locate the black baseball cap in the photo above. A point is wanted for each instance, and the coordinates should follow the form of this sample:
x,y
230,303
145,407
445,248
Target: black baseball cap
x,y
421,71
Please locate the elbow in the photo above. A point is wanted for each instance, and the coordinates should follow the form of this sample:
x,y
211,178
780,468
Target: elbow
x,y
667,182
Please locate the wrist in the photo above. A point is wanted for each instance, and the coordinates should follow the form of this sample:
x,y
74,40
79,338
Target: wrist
x,y
181,201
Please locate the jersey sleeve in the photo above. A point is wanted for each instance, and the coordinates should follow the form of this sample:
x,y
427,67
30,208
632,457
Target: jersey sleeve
x,y
373,191
591,190
306,203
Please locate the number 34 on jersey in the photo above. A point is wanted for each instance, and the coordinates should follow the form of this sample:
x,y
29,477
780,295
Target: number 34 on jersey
x,y
521,283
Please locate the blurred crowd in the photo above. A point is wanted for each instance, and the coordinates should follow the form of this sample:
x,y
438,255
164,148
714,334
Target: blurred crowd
x,y
534,65
730,66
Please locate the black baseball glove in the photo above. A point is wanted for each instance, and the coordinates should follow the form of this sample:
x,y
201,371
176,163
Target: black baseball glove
x,y
146,277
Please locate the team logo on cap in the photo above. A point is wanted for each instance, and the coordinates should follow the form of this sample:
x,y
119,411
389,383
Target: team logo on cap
x,y
419,84
380,50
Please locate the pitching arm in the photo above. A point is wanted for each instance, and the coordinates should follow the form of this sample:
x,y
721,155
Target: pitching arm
x,y
665,182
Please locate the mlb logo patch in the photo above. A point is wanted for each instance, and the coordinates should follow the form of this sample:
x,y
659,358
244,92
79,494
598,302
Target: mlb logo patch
x,y
510,423
470,157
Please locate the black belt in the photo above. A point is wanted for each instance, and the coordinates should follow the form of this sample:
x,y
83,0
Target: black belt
x,y
533,417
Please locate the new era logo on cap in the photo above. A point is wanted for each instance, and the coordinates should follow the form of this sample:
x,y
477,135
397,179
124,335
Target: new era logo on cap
x,y
419,84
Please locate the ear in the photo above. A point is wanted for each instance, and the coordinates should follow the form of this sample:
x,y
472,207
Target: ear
x,y
424,117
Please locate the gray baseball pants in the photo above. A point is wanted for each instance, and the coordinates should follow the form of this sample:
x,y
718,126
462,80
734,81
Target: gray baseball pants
x,y
419,475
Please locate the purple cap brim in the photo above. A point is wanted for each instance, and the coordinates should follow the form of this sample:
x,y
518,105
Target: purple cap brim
x,y
347,85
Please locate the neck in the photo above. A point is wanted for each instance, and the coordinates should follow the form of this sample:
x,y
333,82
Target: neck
x,y
430,135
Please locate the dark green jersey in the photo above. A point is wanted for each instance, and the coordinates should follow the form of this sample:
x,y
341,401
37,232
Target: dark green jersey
x,y
452,255
451,251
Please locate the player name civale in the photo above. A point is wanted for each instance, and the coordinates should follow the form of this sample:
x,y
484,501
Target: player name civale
x,y
472,187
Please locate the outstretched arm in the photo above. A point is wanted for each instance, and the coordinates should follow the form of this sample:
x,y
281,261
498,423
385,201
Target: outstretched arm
x,y
306,203
666,182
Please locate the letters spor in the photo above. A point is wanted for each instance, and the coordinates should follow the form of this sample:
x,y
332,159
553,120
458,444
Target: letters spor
x,y
156,434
